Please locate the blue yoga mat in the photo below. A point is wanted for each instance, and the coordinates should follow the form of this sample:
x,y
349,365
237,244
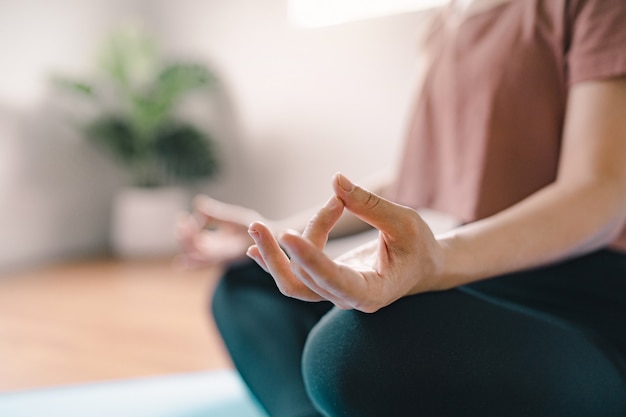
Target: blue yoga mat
x,y
205,394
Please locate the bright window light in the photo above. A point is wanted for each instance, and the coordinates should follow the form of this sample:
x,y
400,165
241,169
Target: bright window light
x,y
316,13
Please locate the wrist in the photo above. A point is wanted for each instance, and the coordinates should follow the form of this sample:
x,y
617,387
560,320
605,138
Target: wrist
x,y
454,265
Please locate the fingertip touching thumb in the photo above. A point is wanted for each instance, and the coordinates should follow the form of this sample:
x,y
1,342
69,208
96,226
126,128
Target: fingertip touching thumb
x,y
366,205
355,198
343,183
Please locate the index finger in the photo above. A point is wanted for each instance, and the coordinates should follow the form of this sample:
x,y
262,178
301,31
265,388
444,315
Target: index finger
x,y
323,221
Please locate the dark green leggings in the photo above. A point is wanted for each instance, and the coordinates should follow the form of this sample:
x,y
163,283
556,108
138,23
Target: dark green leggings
x,y
549,342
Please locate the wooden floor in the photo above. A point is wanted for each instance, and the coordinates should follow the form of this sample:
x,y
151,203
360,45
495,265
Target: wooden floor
x,y
104,320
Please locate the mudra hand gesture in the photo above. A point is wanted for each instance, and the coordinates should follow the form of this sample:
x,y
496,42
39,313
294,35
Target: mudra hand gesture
x,y
216,233
405,259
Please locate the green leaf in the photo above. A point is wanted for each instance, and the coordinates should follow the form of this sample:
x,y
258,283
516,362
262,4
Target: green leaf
x,y
81,87
142,92
176,80
186,152
115,135
130,57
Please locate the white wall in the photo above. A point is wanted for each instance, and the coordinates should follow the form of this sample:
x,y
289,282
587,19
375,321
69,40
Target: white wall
x,y
54,190
295,106
308,102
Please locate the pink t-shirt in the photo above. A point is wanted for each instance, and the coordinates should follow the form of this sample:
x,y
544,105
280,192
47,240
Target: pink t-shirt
x,y
487,126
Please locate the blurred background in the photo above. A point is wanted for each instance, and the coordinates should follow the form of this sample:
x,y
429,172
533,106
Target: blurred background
x,y
283,98
290,106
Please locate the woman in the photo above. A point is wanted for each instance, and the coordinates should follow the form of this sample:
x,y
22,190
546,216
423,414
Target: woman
x,y
519,130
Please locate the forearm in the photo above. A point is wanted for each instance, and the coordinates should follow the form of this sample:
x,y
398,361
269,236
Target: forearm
x,y
582,211
558,222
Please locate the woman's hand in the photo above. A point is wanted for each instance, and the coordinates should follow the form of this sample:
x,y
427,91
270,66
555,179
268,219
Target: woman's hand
x,y
215,233
268,254
405,259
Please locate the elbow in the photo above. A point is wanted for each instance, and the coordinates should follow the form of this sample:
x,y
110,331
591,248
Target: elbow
x,y
615,230
610,230
602,216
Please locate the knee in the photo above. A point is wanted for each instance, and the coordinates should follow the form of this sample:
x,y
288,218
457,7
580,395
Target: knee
x,y
337,364
369,365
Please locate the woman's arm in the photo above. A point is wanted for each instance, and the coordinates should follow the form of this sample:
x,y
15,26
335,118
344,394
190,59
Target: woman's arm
x,y
583,210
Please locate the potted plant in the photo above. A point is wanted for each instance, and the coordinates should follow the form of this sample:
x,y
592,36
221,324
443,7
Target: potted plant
x,y
137,94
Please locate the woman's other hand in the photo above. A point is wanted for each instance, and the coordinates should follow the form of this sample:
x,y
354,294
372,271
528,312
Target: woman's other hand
x,y
215,234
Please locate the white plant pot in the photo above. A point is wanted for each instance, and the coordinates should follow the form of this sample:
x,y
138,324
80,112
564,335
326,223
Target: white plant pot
x,y
143,221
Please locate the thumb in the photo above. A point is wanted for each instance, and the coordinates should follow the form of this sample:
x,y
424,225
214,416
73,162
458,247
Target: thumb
x,y
380,213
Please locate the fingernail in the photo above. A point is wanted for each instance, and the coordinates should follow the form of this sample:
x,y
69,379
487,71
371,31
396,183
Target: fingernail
x,y
344,183
254,234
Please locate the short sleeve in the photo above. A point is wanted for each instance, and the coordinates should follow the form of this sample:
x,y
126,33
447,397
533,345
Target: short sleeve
x,y
597,47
